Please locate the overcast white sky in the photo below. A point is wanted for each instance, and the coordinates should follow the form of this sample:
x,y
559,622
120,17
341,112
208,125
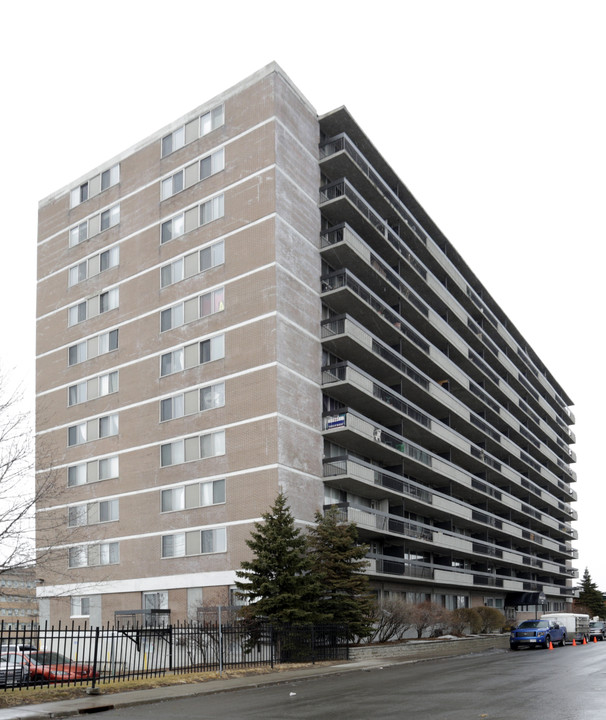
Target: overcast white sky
x,y
491,112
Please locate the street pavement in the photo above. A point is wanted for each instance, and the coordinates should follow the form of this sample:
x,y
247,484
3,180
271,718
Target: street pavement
x,y
97,703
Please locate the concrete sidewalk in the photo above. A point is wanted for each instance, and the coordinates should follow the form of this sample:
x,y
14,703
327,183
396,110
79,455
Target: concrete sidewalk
x,y
96,703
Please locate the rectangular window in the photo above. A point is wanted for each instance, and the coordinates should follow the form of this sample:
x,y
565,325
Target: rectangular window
x,y
171,317
76,435
78,234
175,227
109,553
212,396
108,384
109,259
212,302
108,511
173,499
212,349
77,393
108,426
172,453
173,545
172,185
171,362
212,164
212,444
110,177
78,556
79,195
109,300
211,210
76,475
78,273
110,217
76,314
213,541
108,468
171,408
80,607
211,120
212,256
174,141
171,273
77,516
108,341
77,353
212,493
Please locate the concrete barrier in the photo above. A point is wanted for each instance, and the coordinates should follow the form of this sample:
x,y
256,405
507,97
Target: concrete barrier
x,y
440,647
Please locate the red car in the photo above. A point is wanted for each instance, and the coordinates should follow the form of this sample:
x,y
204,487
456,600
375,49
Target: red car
x,y
48,666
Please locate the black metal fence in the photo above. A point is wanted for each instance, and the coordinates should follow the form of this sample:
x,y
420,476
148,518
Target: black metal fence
x,y
73,654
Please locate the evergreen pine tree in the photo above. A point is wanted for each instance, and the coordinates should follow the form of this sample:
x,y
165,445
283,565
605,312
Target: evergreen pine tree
x,y
339,561
591,597
277,583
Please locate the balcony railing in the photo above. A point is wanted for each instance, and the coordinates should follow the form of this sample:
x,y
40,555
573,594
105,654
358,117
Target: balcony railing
x,y
343,278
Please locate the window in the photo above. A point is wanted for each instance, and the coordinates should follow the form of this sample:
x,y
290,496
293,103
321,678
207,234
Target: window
x,y
173,545
108,342
78,234
78,195
108,511
97,387
173,228
109,300
110,177
80,607
108,426
212,120
77,353
155,600
171,408
76,314
211,210
212,444
92,471
108,468
78,556
76,475
213,541
77,516
173,499
93,306
77,393
212,396
174,141
212,349
171,318
172,453
212,164
171,362
212,493
172,185
95,185
110,217
171,273
109,554
212,302
212,256
77,273
109,258
92,430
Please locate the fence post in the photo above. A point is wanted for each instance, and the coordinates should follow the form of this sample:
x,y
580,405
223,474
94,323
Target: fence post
x,y
313,644
271,645
170,647
93,690
220,644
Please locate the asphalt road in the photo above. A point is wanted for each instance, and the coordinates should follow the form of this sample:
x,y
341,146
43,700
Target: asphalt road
x,y
561,684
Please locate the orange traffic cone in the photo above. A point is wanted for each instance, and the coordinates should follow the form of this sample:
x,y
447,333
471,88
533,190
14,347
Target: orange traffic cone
x,y
550,645
595,639
574,642
584,640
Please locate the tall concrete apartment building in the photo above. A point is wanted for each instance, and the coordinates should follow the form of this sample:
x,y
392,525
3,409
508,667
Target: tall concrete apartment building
x,y
251,300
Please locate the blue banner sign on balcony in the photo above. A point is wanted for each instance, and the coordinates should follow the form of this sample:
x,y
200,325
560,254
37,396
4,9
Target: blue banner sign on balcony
x,y
335,421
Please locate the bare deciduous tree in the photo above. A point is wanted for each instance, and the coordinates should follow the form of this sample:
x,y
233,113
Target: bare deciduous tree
x,y
20,491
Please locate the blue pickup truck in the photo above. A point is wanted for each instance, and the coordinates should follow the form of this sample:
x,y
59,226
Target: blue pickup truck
x,y
537,633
